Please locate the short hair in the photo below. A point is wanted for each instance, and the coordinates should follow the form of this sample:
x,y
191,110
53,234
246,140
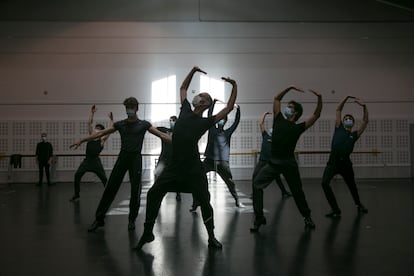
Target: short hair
x,y
100,126
174,118
43,134
210,99
131,102
350,116
298,108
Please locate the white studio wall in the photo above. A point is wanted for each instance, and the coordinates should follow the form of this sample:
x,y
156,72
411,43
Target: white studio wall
x,y
52,72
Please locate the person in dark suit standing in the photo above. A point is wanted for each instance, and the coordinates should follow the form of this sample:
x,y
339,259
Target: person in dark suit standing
x,y
44,154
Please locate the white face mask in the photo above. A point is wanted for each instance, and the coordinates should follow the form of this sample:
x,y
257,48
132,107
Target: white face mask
x,y
288,112
130,112
172,124
348,123
44,138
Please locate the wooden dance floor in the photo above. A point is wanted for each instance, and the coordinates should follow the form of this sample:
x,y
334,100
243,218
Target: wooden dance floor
x,y
42,233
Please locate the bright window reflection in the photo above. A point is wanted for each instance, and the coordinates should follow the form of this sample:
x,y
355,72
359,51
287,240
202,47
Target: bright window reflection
x,y
163,99
213,86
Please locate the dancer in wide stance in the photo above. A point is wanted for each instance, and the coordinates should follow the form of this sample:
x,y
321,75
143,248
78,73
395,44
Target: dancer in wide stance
x,y
339,162
186,173
284,138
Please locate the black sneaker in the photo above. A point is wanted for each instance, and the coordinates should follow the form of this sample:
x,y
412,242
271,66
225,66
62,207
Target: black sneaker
x,y
213,243
257,223
145,238
361,209
74,198
309,224
333,214
95,225
178,197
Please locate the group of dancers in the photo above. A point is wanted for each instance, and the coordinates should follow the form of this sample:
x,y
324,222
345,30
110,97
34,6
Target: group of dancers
x,y
183,171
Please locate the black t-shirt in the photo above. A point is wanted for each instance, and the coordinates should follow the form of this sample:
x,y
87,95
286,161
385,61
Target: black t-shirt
x,y
187,131
93,148
132,134
166,147
44,151
285,136
343,142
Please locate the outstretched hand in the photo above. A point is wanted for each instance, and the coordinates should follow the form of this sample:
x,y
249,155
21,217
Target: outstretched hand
x,y
111,116
293,87
197,69
359,101
75,145
315,92
93,109
229,80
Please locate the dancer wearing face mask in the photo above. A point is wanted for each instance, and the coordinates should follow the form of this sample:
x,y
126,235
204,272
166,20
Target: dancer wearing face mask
x,y
284,138
92,162
186,173
44,155
166,152
266,153
132,131
339,162
217,152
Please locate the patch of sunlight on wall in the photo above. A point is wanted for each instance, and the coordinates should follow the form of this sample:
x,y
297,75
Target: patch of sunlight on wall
x,y
215,87
163,99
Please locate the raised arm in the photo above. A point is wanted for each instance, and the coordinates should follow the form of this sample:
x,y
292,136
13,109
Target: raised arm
x,y
160,134
187,81
236,119
317,113
338,118
262,122
90,121
231,101
211,108
111,123
364,123
93,136
278,98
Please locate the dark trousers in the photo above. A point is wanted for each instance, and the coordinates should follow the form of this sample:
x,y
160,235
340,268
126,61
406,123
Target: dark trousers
x,y
278,180
222,167
344,169
46,167
131,162
289,169
172,180
89,165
